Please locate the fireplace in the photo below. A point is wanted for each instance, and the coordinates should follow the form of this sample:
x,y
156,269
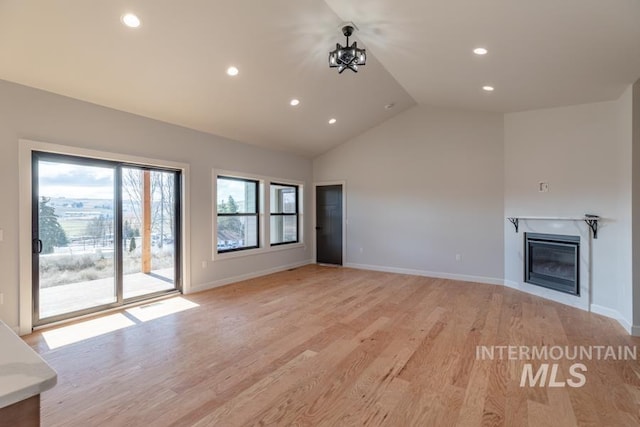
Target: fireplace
x,y
552,261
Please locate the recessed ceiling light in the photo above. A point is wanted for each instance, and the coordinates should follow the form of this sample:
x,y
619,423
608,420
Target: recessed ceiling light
x,y
232,71
294,102
480,51
488,88
332,121
130,20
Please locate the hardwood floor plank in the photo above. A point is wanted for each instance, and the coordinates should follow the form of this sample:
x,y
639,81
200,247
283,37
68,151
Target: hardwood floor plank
x,y
362,396
242,407
343,361
325,346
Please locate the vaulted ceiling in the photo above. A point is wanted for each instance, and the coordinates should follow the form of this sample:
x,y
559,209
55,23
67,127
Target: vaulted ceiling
x,y
173,67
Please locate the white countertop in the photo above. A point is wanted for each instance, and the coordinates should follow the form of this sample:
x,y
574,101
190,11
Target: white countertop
x,y
23,373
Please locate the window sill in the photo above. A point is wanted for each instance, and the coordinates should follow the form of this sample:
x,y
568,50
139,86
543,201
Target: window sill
x,y
258,251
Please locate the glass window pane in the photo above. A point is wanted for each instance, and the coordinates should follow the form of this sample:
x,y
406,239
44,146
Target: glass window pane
x,y
284,229
148,261
236,196
237,232
76,219
283,199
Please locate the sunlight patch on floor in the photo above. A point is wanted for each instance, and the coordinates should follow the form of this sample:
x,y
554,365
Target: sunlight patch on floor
x,y
162,308
84,330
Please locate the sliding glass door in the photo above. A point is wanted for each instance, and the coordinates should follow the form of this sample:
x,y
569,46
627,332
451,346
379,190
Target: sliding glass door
x,y
149,231
104,234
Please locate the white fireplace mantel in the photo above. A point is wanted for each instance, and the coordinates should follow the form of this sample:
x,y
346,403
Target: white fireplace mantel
x,y
590,220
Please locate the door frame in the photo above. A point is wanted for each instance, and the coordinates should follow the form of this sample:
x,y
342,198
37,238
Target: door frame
x,y
345,222
25,149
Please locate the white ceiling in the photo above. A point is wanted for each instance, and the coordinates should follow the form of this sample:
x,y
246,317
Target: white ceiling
x,y
541,53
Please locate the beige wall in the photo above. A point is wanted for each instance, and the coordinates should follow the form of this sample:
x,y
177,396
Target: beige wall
x,y
584,153
636,205
423,187
33,114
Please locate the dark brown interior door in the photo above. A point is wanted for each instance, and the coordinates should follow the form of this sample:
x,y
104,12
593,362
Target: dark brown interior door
x,y
329,224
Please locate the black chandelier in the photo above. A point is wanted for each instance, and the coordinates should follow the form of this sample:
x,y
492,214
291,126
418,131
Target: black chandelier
x,y
348,56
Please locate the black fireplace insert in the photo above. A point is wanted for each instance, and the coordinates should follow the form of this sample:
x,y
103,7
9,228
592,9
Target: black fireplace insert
x,y
553,261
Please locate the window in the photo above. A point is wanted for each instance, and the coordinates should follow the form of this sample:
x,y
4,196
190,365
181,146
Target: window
x,y
255,214
284,213
238,213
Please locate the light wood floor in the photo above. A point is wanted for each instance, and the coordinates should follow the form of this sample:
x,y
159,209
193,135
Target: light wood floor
x,y
340,347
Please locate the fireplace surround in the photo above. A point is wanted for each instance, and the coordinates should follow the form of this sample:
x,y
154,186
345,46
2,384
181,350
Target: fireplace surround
x,y
515,246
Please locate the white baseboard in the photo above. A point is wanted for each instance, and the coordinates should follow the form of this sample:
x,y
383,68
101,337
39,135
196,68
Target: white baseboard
x,y
252,275
616,315
511,284
434,274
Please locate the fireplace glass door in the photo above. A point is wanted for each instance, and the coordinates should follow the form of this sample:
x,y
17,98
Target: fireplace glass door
x,y
552,261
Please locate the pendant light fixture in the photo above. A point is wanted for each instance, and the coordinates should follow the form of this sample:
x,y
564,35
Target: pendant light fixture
x,y
348,56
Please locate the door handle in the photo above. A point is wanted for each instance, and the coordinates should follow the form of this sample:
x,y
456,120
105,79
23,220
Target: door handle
x,y
318,228
37,246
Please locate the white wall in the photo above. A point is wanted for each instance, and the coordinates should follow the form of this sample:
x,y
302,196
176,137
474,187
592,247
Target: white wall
x,y
33,114
636,205
422,187
584,153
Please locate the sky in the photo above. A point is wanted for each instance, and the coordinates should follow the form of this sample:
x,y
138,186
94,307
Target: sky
x,y
78,181
94,182
75,181
233,188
